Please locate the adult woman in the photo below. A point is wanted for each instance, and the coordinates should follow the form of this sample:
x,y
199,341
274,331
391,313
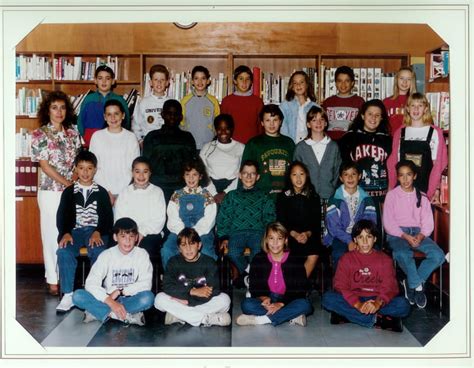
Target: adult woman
x,y
54,145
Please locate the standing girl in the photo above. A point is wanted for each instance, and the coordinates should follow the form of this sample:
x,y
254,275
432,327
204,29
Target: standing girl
x,y
404,86
222,157
54,145
115,149
408,222
299,99
423,143
277,284
298,208
193,206
144,203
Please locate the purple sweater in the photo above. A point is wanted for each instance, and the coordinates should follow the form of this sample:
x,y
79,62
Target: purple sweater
x,y
400,210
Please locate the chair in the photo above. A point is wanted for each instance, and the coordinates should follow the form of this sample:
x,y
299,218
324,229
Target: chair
x,y
83,258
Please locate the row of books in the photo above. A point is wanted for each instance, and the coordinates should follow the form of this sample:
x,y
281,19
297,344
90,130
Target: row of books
x,y
67,68
444,188
32,67
439,65
23,143
439,104
28,100
26,176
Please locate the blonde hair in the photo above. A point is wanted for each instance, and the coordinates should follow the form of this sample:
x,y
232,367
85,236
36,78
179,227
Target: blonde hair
x,y
427,118
396,91
275,227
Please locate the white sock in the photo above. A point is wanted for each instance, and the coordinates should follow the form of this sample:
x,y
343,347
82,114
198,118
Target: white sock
x,y
262,320
419,287
68,294
247,269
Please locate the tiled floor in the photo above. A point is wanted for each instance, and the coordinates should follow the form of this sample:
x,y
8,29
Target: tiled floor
x,y
36,312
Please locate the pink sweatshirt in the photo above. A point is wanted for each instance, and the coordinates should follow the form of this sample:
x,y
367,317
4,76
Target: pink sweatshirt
x,y
438,165
400,209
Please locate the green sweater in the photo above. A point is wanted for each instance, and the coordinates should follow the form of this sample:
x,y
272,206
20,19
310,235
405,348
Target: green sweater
x,y
244,210
274,155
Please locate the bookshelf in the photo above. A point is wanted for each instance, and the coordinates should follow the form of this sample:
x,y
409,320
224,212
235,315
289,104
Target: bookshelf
x,y
276,47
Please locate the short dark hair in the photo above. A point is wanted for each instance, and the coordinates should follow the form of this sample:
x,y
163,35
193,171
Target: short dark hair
x,y
229,120
250,163
114,102
197,164
345,70
407,163
358,123
243,69
172,103
271,109
104,68
312,112
125,225
189,234
347,165
85,156
200,68
141,160
367,225
159,68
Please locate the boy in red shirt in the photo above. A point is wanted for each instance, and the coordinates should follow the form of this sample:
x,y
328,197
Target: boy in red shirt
x,y
365,285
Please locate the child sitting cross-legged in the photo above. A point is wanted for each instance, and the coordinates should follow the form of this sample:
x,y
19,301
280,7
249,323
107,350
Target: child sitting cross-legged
x,y
277,284
119,283
365,285
191,286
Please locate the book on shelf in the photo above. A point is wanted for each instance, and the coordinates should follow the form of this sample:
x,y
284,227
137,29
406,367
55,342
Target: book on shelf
x,y
436,66
28,100
23,143
419,70
32,68
256,86
77,101
444,187
77,68
439,107
131,98
26,176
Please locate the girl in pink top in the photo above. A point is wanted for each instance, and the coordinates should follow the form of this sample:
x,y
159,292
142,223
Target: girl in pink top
x,y
408,222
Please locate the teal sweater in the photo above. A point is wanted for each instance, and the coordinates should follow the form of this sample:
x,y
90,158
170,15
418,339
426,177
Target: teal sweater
x,y
243,210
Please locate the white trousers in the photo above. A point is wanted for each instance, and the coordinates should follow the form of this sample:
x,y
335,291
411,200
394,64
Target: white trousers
x,y
192,315
48,202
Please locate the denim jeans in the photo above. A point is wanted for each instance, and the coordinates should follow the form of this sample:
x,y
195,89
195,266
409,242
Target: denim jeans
x,y
402,252
133,304
67,262
291,310
237,244
170,247
339,248
335,302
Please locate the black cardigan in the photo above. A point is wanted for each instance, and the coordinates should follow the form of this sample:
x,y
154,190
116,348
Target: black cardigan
x,y
294,274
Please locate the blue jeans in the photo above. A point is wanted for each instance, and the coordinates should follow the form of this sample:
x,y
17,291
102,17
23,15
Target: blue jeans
x,y
133,304
291,310
402,252
237,244
67,262
339,248
170,247
335,302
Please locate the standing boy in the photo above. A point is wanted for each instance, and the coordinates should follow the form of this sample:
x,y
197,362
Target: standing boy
x,y
365,285
343,107
349,204
243,106
168,148
242,218
91,116
200,108
191,286
119,283
147,115
84,219
272,151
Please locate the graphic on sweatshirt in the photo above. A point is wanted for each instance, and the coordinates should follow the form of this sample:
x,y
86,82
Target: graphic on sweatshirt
x,y
122,277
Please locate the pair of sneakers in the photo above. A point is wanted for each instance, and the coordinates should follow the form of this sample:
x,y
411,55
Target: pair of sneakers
x,y
211,319
414,296
382,321
130,319
66,303
250,320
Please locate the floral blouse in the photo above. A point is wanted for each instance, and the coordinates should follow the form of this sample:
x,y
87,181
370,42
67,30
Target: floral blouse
x,y
59,149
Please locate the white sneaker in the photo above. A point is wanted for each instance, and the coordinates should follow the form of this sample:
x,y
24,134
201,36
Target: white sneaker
x,y
66,303
246,320
300,320
217,319
88,317
246,281
170,319
135,319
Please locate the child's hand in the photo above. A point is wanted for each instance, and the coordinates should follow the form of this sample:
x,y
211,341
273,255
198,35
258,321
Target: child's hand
x,y
302,238
436,198
351,246
95,240
182,301
412,241
118,309
224,245
65,240
202,292
273,307
219,197
266,301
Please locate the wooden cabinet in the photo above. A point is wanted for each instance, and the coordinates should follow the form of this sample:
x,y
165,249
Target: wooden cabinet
x,y
28,235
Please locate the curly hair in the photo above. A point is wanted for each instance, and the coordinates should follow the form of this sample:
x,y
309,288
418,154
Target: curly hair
x,y
43,112
358,123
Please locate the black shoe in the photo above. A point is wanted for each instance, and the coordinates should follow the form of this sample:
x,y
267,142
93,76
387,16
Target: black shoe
x,y
409,293
420,298
239,282
389,323
337,319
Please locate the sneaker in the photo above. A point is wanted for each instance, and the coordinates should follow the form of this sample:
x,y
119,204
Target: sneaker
x,y
246,281
409,293
170,319
337,319
300,320
420,298
245,320
217,319
239,282
88,317
135,319
66,303
389,323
